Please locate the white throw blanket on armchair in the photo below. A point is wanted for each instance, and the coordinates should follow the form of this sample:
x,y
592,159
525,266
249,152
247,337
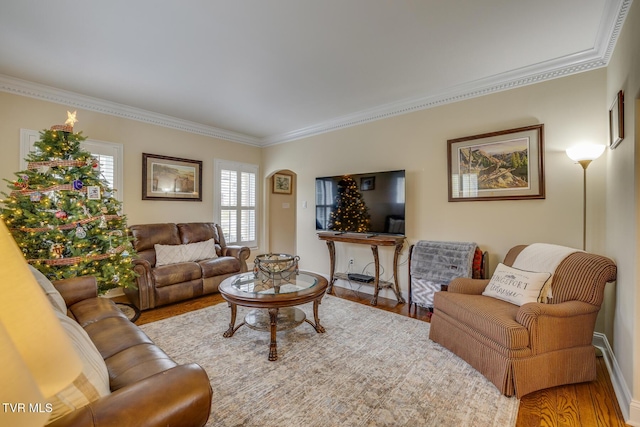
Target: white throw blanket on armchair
x,y
543,257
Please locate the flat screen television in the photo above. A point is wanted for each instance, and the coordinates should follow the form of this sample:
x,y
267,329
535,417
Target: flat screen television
x,y
369,203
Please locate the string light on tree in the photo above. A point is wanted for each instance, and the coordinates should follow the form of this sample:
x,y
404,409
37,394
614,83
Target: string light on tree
x,y
63,216
351,212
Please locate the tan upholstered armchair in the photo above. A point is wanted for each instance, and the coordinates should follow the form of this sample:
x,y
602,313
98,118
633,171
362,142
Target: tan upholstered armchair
x,y
526,348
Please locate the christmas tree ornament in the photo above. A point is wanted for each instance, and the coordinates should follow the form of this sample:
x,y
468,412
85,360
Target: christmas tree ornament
x,y
81,233
22,182
53,224
93,192
57,250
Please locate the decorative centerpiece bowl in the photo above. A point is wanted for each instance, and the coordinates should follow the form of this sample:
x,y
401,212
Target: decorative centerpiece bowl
x,y
275,267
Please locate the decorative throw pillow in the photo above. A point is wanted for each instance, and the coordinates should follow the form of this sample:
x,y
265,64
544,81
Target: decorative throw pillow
x,y
516,286
200,250
91,384
173,254
168,254
52,293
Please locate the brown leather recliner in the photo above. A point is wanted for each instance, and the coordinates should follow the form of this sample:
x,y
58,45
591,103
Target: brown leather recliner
x,y
522,349
147,387
165,284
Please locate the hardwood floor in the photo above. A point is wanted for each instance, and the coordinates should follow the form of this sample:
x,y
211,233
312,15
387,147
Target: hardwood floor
x,y
587,404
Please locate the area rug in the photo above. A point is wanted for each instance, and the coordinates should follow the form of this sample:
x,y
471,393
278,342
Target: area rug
x,y
370,368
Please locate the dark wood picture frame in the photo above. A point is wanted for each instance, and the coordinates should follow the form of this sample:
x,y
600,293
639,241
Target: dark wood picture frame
x,y
616,121
503,165
171,178
367,183
282,183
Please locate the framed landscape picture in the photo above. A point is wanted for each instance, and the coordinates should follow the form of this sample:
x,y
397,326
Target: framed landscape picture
x,y
504,165
282,183
171,178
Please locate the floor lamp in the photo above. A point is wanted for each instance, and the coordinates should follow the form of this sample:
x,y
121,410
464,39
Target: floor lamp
x,y
585,154
37,360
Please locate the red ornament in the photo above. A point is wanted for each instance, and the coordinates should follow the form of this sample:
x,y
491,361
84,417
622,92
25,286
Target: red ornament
x,y
61,214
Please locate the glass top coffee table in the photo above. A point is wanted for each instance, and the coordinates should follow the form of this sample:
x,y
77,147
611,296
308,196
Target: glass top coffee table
x,y
274,302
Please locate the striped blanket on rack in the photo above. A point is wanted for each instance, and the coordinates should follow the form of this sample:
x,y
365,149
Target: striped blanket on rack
x,y
434,264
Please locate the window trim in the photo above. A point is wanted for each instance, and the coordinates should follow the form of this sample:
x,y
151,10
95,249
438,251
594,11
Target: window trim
x,y
219,165
28,138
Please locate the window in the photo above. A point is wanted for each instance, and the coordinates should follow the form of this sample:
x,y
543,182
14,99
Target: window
x,y
108,154
236,202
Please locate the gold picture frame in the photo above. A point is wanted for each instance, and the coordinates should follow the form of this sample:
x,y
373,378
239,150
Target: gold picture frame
x,y
504,165
171,178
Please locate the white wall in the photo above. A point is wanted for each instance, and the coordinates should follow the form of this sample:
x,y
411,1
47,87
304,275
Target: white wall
x,y
571,110
622,243
18,112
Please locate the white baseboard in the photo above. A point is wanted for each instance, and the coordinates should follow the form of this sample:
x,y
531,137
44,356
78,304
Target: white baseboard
x,y
630,408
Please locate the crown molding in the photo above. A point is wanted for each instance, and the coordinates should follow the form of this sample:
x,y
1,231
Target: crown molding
x,y
598,57
75,100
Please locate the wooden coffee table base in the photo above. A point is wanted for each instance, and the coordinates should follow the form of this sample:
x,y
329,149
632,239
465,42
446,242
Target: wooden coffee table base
x,y
274,320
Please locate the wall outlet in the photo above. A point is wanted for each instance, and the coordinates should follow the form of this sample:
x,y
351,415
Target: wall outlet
x,y
350,261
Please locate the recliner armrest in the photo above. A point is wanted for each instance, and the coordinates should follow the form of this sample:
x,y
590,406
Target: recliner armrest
x,y
180,396
465,285
240,252
77,288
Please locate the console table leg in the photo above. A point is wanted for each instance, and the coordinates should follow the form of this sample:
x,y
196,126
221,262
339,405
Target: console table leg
x,y
396,288
332,265
376,280
273,347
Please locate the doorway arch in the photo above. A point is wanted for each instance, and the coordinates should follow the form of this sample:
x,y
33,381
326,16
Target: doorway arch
x,y
282,215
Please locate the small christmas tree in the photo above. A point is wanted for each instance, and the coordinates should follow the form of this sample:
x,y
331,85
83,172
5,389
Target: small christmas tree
x,y
350,213
63,215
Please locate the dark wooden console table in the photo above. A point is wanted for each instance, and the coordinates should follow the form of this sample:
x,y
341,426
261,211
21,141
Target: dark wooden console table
x,y
365,239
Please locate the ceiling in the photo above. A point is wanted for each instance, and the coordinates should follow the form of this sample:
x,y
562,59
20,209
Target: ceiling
x,y
263,72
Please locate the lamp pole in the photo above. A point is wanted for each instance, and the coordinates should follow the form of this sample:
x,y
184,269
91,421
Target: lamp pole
x,y
585,154
584,164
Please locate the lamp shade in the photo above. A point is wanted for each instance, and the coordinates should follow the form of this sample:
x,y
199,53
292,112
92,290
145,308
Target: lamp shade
x,y
31,328
18,388
585,152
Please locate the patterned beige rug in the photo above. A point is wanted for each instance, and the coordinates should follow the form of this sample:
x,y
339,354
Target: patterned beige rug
x,y
370,368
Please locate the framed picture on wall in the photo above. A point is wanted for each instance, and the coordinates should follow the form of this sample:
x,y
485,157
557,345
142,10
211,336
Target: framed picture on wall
x,y
616,121
503,165
367,183
282,183
171,178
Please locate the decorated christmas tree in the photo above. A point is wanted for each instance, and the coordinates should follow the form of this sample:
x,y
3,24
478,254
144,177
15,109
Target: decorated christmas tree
x,y
351,212
62,213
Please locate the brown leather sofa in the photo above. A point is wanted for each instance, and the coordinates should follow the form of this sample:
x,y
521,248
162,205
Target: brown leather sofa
x,y
165,284
147,387
522,349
